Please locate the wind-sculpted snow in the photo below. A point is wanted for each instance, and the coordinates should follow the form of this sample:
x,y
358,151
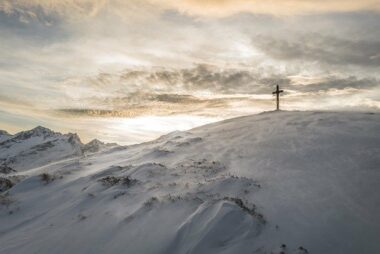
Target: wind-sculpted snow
x,y
279,182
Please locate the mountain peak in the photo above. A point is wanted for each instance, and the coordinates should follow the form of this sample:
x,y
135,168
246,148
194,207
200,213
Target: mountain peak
x,y
2,132
35,132
95,142
41,129
74,139
4,136
93,146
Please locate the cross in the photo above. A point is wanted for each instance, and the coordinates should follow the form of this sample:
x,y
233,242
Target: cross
x,y
277,93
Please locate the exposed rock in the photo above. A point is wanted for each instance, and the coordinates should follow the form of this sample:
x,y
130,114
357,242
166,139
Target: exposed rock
x,y
6,169
113,180
5,184
93,146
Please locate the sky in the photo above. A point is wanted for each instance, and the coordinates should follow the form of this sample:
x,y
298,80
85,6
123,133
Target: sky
x,y
128,71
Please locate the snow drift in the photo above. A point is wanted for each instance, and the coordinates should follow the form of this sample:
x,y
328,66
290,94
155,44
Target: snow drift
x,y
277,182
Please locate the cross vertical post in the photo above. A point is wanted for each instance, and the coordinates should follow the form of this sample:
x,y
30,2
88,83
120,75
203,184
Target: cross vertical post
x,y
277,93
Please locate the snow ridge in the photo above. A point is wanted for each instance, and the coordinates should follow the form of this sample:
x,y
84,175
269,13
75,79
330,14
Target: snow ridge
x,y
277,182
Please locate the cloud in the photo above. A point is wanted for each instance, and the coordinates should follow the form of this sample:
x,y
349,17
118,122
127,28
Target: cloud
x,y
30,9
275,7
323,49
88,8
200,79
201,89
177,84
329,83
197,90
139,104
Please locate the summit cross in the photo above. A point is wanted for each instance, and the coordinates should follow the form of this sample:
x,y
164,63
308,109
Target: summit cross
x,y
277,93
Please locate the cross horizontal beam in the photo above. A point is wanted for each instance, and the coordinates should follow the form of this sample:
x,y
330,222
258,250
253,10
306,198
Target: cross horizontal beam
x,y
280,91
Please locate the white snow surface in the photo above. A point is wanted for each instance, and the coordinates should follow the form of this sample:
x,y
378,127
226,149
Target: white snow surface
x,y
4,136
277,182
39,146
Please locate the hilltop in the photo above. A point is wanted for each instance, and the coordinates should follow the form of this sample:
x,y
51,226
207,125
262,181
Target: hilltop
x,y
277,182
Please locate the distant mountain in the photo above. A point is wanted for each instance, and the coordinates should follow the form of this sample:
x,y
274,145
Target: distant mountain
x,y
273,183
96,145
4,135
40,146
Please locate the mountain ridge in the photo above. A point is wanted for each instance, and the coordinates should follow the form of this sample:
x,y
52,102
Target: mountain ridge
x,y
28,145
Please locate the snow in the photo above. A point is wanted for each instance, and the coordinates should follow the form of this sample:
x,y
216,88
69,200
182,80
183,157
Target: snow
x,y
4,136
277,182
39,146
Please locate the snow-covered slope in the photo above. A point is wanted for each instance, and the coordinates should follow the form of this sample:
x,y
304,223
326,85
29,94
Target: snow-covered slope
x,y
40,146
37,147
278,182
4,136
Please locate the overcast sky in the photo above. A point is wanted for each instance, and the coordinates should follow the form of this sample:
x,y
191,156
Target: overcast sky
x,y
129,70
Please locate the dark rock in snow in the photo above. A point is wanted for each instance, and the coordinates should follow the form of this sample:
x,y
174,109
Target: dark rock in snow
x,y
5,184
6,169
